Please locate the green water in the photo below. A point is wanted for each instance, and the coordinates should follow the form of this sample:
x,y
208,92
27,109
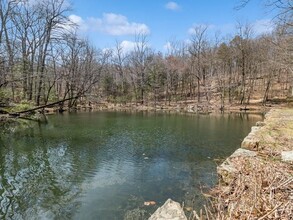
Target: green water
x,y
104,165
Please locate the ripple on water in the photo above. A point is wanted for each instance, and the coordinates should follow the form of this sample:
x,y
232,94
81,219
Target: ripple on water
x,y
103,165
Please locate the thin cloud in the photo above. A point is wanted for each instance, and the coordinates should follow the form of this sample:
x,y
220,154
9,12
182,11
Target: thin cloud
x,y
111,24
263,26
259,27
116,24
168,46
128,46
78,21
37,3
173,6
222,29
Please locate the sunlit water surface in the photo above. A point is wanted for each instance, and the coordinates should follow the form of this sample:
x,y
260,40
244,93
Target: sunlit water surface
x,y
104,165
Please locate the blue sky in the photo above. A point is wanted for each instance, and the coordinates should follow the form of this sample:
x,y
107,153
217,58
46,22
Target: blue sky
x,y
104,22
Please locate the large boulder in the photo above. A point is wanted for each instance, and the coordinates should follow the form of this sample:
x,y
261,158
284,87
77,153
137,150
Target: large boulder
x,y
170,210
251,141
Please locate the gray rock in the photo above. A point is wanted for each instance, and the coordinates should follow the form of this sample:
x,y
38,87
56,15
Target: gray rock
x,y
287,156
254,128
260,123
250,142
243,153
227,169
170,210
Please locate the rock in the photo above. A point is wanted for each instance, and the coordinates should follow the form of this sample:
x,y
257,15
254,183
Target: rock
x,y
287,156
260,123
190,108
254,128
227,170
250,143
170,210
243,153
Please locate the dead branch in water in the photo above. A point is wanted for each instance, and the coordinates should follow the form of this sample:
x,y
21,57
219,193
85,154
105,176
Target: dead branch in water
x,y
41,107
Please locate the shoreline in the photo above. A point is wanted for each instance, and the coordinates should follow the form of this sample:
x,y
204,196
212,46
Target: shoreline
x,y
183,108
186,106
256,181
189,107
259,169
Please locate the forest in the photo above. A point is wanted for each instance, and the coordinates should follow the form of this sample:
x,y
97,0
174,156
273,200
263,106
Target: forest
x,y
44,60
114,164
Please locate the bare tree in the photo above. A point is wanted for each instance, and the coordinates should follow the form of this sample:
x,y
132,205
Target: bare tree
x,y
283,17
119,61
197,51
243,50
139,61
53,14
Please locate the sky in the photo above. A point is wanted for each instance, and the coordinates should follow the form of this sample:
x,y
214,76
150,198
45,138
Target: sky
x,y
105,22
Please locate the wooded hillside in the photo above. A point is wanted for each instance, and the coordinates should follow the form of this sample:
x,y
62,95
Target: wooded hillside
x,y
43,60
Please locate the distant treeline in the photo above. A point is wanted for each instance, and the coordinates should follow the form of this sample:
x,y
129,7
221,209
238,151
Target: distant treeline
x,y
42,59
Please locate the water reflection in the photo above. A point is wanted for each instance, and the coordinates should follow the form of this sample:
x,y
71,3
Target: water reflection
x,y
105,165
35,182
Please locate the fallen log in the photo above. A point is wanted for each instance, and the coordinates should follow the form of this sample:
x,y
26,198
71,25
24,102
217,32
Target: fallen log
x,y
15,114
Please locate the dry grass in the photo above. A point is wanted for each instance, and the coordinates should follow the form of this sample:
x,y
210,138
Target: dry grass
x,y
261,190
262,187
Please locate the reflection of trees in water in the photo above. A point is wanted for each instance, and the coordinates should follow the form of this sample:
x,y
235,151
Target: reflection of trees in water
x,y
29,183
55,169
249,116
37,179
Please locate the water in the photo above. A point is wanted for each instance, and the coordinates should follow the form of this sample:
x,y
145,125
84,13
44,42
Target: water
x,y
104,165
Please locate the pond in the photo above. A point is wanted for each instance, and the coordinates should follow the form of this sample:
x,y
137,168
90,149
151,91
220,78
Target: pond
x,y
105,165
